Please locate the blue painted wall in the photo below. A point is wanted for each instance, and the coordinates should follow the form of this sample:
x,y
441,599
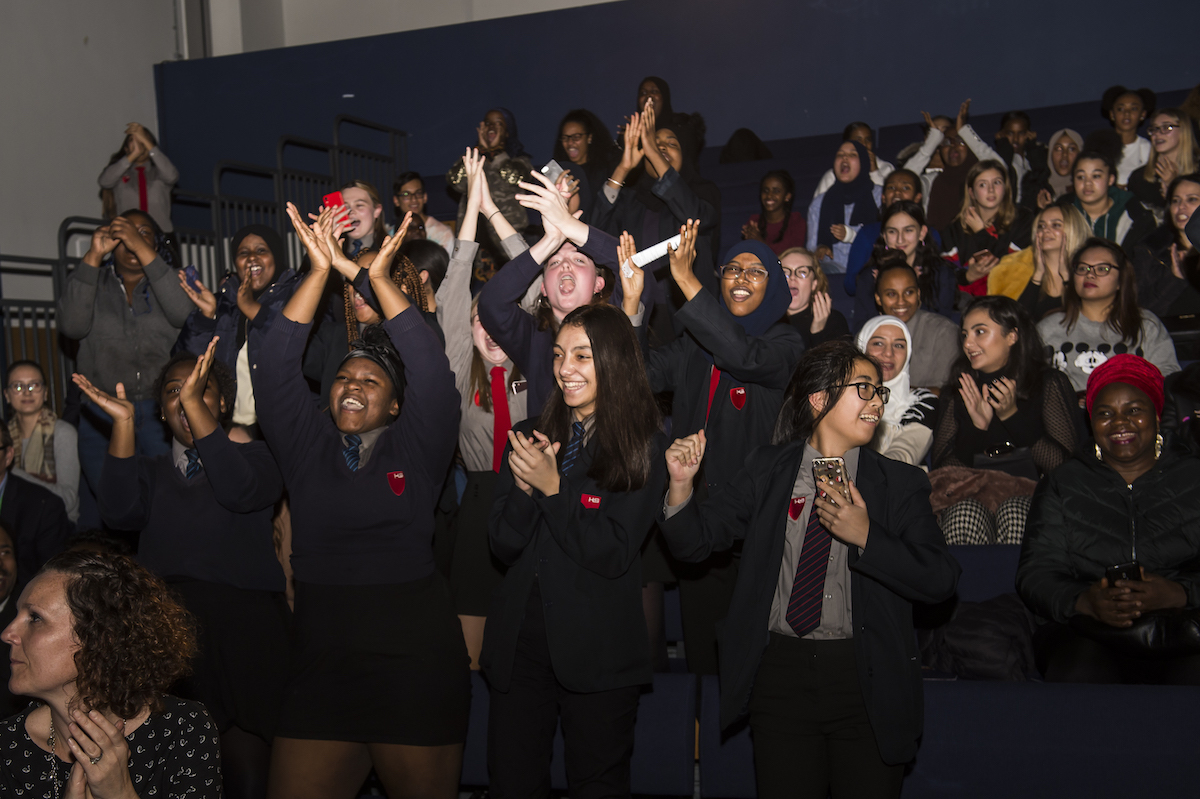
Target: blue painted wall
x,y
785,68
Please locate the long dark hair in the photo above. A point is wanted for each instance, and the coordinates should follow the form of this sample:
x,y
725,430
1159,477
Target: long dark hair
x,y
600,148
1026,359
823,369
789,187
926,262
627,416
1125,317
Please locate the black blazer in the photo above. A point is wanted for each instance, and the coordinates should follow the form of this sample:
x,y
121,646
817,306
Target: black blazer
x,y
905,561
38,522
585,554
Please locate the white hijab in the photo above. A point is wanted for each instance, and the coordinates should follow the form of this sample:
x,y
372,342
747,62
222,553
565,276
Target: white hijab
x,y
902,397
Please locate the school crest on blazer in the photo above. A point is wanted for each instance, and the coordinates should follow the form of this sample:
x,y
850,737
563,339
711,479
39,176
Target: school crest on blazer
x,y
738,397
396,482
796,508
590,501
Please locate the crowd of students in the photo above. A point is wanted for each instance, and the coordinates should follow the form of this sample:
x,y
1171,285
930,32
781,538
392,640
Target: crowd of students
x,y
489,445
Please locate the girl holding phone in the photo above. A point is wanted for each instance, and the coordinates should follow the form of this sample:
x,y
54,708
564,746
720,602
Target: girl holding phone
x,y
818,645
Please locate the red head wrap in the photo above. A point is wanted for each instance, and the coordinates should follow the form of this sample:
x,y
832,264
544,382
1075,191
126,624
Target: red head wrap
x,y
1129,369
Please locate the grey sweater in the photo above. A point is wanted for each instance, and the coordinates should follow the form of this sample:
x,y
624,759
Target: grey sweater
x,y
121,342
1078,351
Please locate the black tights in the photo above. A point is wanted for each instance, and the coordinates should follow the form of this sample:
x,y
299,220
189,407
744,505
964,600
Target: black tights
x,y
245,762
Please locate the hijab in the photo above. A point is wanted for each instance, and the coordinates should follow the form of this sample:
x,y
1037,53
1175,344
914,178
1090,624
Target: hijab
x,y
274,243
1061,184
903,396
860,192
775,300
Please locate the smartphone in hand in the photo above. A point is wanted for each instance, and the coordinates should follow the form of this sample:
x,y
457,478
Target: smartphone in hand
x,y
333,200
193,278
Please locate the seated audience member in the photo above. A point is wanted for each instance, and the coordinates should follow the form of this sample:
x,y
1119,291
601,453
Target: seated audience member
x,y
959,147
811,311
1017,143
905,237
1070,572
9,704
988,227
250,297
1126,109
665,191
1174,152
935,338
409,197
776,224
584,147
1047,182
901,184
1166,263
905,431
98,641
124,305
835,216
45,448
139,176
818,646
32,513
1111,212
202,516
1100,317
507,164
1006,409
1036,275
860,132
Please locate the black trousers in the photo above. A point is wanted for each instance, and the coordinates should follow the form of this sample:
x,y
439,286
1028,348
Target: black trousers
x,y
812,737
1064,655
597,727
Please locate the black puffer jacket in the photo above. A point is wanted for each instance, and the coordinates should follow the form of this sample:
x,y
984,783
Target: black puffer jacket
x,y
1084,518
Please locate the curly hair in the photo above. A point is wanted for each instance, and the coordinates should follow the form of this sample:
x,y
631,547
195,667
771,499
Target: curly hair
x,y
226,382
134,639
406,277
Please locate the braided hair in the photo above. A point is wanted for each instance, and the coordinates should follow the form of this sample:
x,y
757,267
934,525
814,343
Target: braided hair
x,y
406,277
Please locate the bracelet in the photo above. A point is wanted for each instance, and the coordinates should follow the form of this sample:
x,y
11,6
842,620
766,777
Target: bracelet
x,y
493,213
616,183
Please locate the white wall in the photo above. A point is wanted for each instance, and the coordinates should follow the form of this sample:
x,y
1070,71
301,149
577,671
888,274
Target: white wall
x,y
75,73
311,21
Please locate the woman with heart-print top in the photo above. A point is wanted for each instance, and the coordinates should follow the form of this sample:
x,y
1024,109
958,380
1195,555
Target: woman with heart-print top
x,y
728,374
818,646
379,671
577,494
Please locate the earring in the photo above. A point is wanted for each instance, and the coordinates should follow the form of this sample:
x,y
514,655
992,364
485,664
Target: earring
x,y
1158,444
1099,455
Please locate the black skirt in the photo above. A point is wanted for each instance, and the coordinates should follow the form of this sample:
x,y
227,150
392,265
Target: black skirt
x,y
475,572
242,659
377,664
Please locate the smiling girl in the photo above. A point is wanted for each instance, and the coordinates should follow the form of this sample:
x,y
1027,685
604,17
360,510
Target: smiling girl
x,y
905,430
988,226
1167,264
1035,276
776,223
1173,138
903,232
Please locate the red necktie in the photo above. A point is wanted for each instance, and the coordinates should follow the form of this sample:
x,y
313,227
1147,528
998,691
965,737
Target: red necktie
x,y
503,422
808,587
142,203
713,380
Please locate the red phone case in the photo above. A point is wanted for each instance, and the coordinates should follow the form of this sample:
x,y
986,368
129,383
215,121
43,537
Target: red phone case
x,y
333,200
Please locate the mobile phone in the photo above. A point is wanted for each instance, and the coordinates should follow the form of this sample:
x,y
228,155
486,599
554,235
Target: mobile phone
x,y
833,471
552,171
193,278
1126,571
333,200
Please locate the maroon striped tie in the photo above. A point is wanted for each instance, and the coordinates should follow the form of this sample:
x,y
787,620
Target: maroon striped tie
x,y
808,587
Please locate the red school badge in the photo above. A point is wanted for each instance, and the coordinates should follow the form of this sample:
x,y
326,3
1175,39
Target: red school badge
x,y
738,397
396,482
796,508
590,501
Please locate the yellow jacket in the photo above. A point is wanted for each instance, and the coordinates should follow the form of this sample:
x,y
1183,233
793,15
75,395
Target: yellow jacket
x,y
1012,274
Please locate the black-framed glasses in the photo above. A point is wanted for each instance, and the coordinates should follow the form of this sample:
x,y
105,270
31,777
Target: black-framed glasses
x,y
32,387
1099,270
404,195
1154,130
800,272
573,138
755,274
867,391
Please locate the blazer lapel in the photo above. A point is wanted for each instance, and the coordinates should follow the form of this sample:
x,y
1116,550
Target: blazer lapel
x,y
778,496
873,487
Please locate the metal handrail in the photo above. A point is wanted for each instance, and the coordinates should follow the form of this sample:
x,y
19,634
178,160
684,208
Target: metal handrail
x,y
64,261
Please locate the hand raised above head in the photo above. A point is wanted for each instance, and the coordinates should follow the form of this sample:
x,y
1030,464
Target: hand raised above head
x,y
118,408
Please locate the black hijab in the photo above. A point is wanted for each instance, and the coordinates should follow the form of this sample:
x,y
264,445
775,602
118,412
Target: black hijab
x,y
274,243
860,192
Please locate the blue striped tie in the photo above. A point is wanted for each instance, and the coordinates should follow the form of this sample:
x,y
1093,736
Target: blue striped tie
x,y
355,246
350,453
193,464
808,587
573,448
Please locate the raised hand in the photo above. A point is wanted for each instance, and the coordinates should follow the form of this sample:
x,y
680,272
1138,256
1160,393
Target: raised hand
x,y
118,408
545,198
963,115
1044,198
978,408
203,299
194,386
927,119
822,306
313,238
633,153
103,243
633,278
127,233
382,265
683,257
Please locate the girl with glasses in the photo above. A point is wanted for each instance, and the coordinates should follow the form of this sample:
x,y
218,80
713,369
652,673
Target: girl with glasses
x,y
409,196
811,311
1173,153
584,147
45,448
1005,409
1101,317
828,577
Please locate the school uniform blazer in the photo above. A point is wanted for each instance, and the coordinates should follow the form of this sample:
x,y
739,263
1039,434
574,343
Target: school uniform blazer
x,y
905,561
37,520
583,546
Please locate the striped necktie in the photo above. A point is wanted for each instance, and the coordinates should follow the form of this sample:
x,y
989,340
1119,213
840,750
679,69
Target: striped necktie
x,y
808,587
573,448
193,464
350,453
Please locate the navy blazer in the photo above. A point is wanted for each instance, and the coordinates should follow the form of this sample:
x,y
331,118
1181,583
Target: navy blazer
x,y
905,561
37,520
583,546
